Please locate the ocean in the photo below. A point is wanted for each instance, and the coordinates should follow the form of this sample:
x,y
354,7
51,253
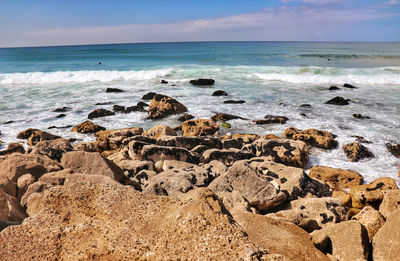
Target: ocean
x,y
272,77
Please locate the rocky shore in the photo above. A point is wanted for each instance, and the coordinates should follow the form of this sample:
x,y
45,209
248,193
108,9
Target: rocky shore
x,y
185,192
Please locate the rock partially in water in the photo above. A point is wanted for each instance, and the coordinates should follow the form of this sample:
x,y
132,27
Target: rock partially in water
x,y
202,82
142,104
100,113
149,96
356,152
225,117
313,137
338,101
33,136
234,102
220,93
87,127
333,88
162,106
63,109
185,117
114,90
359,116
118,108
394,149
268,119
349,86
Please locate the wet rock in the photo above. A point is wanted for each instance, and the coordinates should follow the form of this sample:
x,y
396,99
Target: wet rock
x,y
359,116
185,117
371,194
394,149
246,138
228,157
159,131
220,93
202,82
103,103
346,85
333,88
199,127
371,219
305,106
113,139
234,102
356,152
162,106
225,117
163,82
149,96
114,90
63,109
142,104
13,148
189,142
268,119
54,149
134,108
338,101
156,153
336,178
361,139
100,113
33,136
62,115
386,243
60,127
118,108
390,203
313,137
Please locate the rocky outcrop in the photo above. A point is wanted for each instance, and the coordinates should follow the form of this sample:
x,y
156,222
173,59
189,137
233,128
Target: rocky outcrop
x,y
371,219
202,82
33,136
338,101
100,113
87,127
159,131
268,119
313,137
200,127
337,179
54,149
156,153
356,152
386,242
188,142
227,156
390,203
162,106
13,148
113,139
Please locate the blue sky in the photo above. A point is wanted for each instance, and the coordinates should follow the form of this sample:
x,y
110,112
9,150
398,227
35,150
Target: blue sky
x,y
56,22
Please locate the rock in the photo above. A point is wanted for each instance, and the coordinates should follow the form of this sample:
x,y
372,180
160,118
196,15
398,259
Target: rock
x,y
87,146
359,116
256,189
344,197
202,82
390,203
23,183
103,103
349,240
63,109
220,93
313,137
10,210
321,241
227,157
33,136
371,194
100,113
8,186
225,117
189,142
62,115
360,139
54,149
356,152
292,181
162,106
87,127
118,108
135,149
386,243
13,148
271,137
246,138
156,153
133,167
313,213
337,179
185,117
113,139
200,127
333,88
175,165
15,165
92,163
234,102
394,149
272,119
159,131
114,90
149,96
36,187
346,85
142,104
163,82
338,101
56,178
371,219
134,108
305,105
233,143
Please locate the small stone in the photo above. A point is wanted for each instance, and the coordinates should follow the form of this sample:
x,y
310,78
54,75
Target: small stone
x,y
338,101
234,102
100,113
220,93
163,82
346,85
333,88
114,90
359,116
63,109
118,108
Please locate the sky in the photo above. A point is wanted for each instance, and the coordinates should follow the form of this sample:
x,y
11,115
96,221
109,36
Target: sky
x,y
74,22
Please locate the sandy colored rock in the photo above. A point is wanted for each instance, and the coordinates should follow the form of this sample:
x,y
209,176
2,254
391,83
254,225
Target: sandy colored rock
x,y
159,131
10,210
156,153
56,178
342,196
313,137
199,127
12,148
112,139
189,143
33,136
87,127
15,165
390,203
90,146
54,149
228,157
100,113
371,194
132,167
271,137
371,219
337,179
356,152
36,187
162,106
386,242
8,186
247,138
23,183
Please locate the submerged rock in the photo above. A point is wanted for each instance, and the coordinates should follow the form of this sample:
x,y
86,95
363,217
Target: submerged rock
x,y
346,85
234,102
333,88
114,90
63,109
359,116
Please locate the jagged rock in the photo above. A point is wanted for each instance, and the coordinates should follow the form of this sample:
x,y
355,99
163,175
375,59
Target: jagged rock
x,y
200,127
185,117
162,106
114,90
100,113
338,101
313,213
228,157
271,137
234,102
149,96
15,165
225,117
202,82
371,219
133,167
394,149
255,188
33,136
135,149
386,242
113,139
159,131
156,153
13,148
371,194
268,119
10,210
87,127
336,178
356,152
390,203
54,149
313,137
343,197
220,93
346,85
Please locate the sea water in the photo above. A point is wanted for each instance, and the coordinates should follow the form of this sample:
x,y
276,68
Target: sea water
x,y
272,77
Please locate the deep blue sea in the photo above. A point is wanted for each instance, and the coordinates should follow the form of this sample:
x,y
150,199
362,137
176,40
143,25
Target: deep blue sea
x,y
272,77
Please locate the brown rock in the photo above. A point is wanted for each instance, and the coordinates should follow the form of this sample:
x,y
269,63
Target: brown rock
x,y
87,146
162,106
33,136
386,243
356,152
390,203
271,137
54,149
185,117
133,167
200,127
8,186
10,210
13,148
394,149
268,119
159,131
189,143
336,178
156,153
228,157
23,183
56,178
225,117
112,139
100,113
371,194
313,137
343,197
247,138
36,187
371,219
87,127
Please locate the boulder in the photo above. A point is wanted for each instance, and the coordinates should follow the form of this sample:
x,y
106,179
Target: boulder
x,y
87,146
202,82
100,113
313,137
163,82
200,127
371,194
56,178
390,203
135,149
113,139
344,198
8,186
118,108
220,93
247,138
346,85
268,119
159,131
189,142
356,152
185,117
33,136
162,106
337,179
87,127
10,210
133,167
15,165
114,90
36,187
54,149
134,108
225,117
234,102
13,148
338,101
142,104
371,219
63,109
23,183
271,137
149,96
156,153
394,149
227,156
386,242
255,188
92,163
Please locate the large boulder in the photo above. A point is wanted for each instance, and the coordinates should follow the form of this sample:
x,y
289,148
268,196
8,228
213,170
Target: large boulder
x,y
33,136
371,219
162,106
87,127
390,203
160,131
156,153
199,127
338,101
227,156
356,152
336,178
54,149
386,242
313,137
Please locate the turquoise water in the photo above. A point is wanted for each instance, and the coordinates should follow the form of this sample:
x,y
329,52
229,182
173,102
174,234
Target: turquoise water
x,y
272,77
